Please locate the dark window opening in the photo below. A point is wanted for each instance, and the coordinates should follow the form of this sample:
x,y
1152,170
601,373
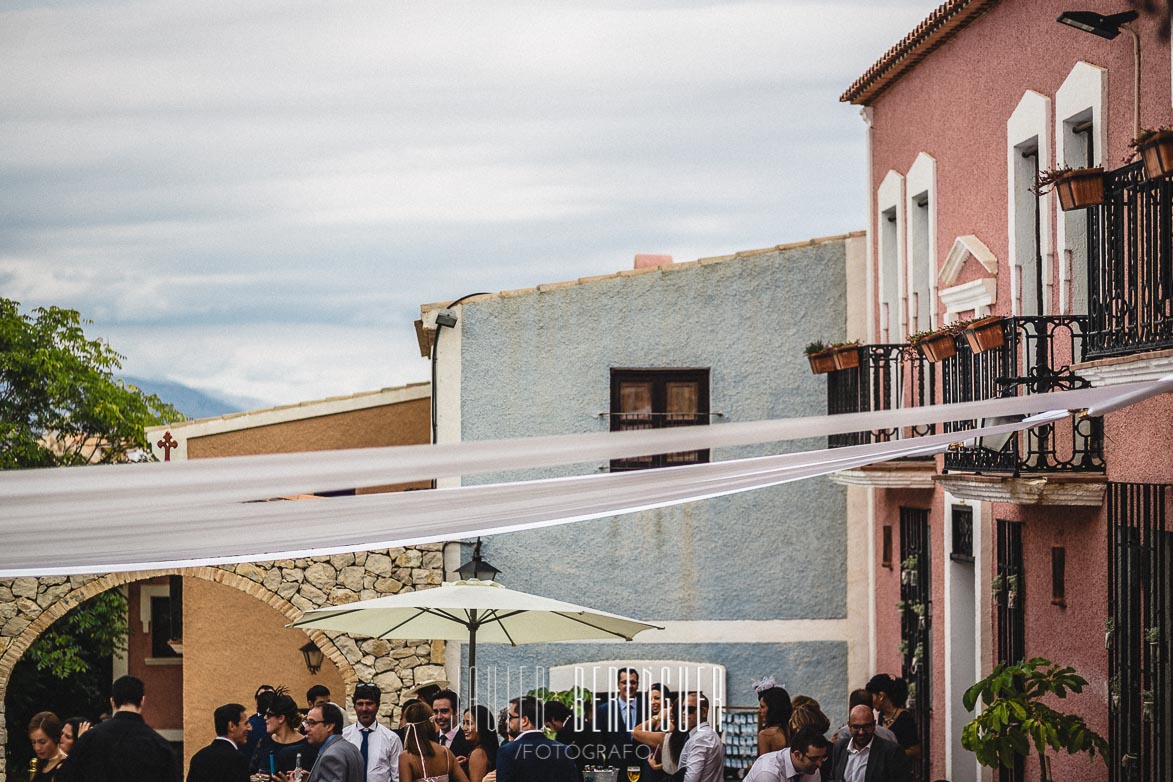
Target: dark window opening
x,y
1058,576
657,399
161,627
962,534
886,548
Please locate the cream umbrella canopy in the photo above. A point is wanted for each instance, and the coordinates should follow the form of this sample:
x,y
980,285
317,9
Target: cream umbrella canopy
x,y
473,611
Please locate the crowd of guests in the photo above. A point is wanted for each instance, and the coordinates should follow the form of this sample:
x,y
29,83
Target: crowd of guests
x,y
653,735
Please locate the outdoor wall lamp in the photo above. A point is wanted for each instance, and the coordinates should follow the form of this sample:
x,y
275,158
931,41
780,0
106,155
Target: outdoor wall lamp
x,y
1109,27
313,657
446,319
476,567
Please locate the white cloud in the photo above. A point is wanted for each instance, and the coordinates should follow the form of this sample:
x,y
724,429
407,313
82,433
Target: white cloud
x,y
286,174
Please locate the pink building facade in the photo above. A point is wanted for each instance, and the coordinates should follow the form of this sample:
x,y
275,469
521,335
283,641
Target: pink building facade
x,y
1058,543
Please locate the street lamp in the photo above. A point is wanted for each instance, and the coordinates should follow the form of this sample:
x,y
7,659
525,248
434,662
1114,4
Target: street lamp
x,y
476,567
1109,27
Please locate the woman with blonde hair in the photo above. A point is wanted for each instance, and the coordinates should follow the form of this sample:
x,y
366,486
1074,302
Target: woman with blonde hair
x,y
421,750
45,736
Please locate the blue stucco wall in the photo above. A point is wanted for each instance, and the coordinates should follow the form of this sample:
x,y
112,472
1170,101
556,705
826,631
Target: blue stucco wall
x,y
539,363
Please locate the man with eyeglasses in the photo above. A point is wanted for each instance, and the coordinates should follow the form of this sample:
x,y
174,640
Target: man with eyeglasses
x,y
800,762
866,757
531,757
703,754
338,760
379,746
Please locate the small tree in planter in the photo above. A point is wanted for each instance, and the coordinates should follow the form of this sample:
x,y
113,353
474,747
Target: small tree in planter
x,y
1155,147
1014,718
820,358
1077,188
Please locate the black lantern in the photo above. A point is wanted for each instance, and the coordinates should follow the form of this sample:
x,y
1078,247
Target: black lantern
x,y
313,657
476,567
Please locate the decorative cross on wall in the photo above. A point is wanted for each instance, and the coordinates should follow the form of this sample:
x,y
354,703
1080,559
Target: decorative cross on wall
x,y
167,443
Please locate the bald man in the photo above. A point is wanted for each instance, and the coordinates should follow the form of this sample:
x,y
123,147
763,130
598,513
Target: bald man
x,y
865,757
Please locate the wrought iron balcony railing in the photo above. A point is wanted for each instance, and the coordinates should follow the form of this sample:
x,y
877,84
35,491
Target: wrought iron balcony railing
x,y
1130,259
1035,359
884,380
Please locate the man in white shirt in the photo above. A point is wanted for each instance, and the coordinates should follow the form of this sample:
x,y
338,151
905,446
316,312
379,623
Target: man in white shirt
x,y
800,762
703,755
380,747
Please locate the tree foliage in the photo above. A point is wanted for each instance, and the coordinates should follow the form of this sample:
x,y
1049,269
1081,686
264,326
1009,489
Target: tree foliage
x,y
1015,718
59,401
95,629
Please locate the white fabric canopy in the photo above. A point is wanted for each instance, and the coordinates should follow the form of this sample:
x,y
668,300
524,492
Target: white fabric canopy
x,y
132,517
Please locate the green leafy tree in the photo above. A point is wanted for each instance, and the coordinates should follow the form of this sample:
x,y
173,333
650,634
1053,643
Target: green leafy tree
x,y
1015,718
59,401
60,404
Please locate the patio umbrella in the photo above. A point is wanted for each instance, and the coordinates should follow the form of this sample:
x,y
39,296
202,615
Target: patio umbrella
x,y
472,611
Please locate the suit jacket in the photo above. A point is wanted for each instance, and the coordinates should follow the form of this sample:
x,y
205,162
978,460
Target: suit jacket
x,y
338,761
461,746
121,749
534,758
886,761
614,740
218,762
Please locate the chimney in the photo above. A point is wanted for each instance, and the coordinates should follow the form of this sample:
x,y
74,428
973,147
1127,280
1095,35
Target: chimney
x,y
647,260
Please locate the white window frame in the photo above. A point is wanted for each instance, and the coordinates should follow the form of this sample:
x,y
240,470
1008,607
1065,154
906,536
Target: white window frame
x,y
890,198
921,182
1082,96
1029,123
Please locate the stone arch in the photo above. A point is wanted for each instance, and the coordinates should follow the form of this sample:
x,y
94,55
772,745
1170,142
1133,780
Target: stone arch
x,y
29,606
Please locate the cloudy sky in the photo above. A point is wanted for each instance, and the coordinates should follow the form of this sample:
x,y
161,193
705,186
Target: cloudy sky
x,y
254,198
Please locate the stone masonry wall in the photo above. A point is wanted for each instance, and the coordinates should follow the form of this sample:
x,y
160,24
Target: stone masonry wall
x,y
28,606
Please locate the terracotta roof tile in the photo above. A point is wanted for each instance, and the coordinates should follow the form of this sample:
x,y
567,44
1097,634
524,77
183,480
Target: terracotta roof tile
x,y
942,24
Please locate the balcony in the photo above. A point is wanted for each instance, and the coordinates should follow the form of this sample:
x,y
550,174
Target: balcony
x,y
1063,460
1131,266
887,378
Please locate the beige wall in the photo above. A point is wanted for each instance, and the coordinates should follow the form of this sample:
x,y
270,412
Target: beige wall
x,y
406,423
232,643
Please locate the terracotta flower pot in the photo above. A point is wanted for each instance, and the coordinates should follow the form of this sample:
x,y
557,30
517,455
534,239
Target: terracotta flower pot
x,y
1157,154
821,362
938,347
846,357
1080,189
985,334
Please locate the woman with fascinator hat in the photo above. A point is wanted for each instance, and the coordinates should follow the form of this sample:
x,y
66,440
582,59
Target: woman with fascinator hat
x,y
774,712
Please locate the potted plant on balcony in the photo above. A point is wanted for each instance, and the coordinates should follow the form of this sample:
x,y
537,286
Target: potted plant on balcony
x,y
819,356
845,354
938,344
1015,719
1155,147
985,334
1077,188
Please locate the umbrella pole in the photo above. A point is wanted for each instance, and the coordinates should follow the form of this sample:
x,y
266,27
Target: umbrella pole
x,y
472,658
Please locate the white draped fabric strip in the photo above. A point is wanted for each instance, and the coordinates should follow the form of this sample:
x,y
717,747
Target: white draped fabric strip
x,y
132,517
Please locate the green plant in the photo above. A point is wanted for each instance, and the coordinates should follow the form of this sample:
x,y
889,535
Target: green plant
x,y
851,344
1014,717
815,347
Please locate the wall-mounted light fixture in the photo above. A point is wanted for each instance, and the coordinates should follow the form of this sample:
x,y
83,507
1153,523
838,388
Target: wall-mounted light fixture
x,y
313,657
1109,27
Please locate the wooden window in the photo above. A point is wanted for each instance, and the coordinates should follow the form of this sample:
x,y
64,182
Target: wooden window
x,y
654,399
1058,576
886,548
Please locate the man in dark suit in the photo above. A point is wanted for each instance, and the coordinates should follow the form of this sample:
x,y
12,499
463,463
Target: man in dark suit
x,y
531,757
221,760
615,719
865,757
123,748
446,708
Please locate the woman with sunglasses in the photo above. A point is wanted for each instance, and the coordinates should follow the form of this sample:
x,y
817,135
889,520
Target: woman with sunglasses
x,y
278,750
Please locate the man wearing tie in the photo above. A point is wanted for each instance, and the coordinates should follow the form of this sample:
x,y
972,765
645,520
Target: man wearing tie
x,y
445,705
615,719
379,745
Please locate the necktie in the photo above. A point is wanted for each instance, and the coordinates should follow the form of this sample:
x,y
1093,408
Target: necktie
x,y
366,735
443,739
